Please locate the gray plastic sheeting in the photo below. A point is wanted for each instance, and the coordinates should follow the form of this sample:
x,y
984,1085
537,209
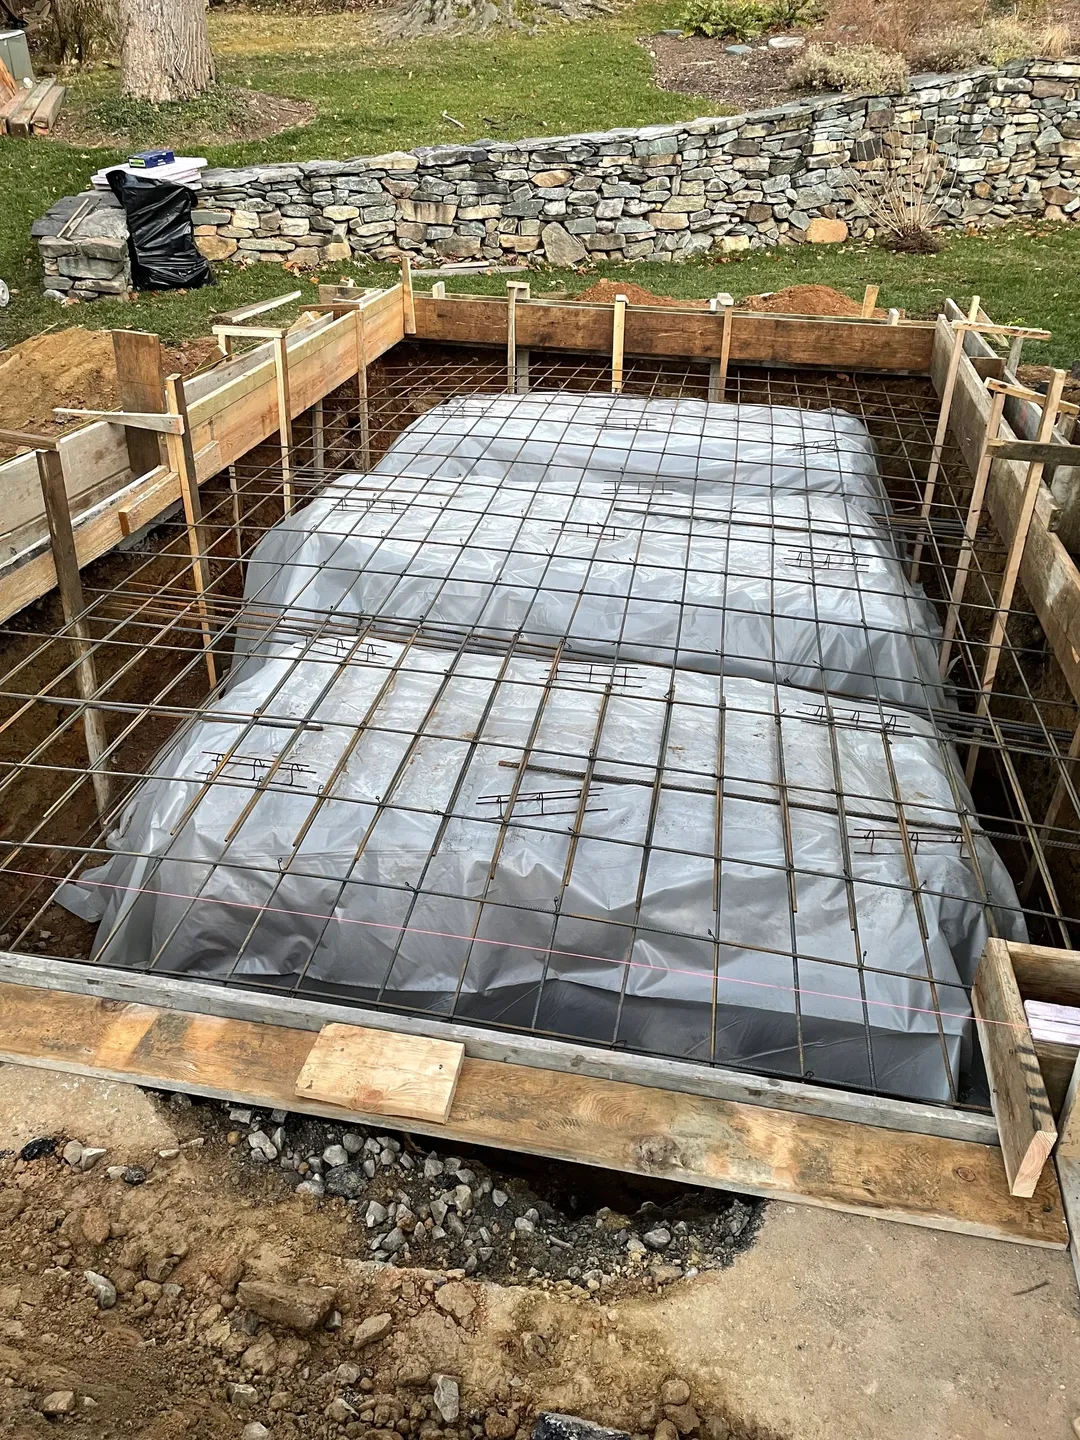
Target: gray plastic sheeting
x,y
672,860
385,897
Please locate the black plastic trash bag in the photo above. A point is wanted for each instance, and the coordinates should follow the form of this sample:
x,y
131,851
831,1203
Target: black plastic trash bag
x,y
161,235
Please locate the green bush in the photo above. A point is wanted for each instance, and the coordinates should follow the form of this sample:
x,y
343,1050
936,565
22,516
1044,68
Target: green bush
x,y
862,68
745,19
726,19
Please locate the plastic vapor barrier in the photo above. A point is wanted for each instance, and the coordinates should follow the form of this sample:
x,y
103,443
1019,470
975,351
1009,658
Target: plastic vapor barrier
x,y
594,716
434,876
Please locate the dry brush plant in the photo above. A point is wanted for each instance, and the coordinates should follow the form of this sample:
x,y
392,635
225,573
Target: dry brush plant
x,y
904,192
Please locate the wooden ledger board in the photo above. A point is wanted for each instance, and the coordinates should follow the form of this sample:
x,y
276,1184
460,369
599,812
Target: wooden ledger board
x,y
897,1175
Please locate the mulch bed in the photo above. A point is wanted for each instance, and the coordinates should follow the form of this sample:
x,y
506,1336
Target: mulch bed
x,y
695,65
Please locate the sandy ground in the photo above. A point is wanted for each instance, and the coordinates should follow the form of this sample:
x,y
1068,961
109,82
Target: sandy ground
x,y
828,1328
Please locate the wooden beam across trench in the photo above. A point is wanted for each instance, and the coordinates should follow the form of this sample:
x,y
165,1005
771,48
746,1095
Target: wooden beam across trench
x,y
894,1175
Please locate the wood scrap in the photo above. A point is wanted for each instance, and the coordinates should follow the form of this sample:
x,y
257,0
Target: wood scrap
x,y
21,118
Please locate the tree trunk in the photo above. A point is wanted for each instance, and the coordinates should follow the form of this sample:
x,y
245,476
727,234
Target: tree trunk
x,y
165,53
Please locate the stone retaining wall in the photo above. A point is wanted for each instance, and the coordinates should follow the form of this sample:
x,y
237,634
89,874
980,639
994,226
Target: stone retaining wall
x,y
664,192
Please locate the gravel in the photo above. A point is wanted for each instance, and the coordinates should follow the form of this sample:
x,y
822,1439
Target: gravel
x,y
531,1222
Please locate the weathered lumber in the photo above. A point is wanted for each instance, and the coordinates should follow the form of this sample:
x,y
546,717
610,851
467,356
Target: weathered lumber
x,y
756,339
1048,573
482,1043
20,119
48,111
1017,1092
256,307
914,1179
380,1073
1045,973
140,375
227,420
1035,451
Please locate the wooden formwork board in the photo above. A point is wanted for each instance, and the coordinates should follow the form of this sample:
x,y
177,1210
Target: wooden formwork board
x,y
785,341
861,1169
227,422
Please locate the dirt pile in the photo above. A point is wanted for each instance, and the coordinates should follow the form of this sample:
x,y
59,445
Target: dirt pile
x,y
190,1292
794,300
75,368
803,300
605,291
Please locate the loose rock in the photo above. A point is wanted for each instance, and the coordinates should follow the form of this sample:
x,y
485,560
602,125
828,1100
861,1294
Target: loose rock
x,y
103,1288
299,1307
59,1402
447,1398
375,1327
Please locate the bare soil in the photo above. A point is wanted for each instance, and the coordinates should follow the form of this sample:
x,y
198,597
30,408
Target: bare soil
x,y
696,65
794,300
74,368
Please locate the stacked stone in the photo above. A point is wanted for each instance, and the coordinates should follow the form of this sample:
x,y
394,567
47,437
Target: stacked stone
x,y
83,242
777,177
308,214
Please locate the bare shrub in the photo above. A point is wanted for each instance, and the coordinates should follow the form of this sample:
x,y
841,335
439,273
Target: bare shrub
x,y
904,193
850,68
893,24
992,41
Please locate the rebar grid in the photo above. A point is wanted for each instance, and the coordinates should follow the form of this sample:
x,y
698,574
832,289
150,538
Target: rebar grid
x,y
147,642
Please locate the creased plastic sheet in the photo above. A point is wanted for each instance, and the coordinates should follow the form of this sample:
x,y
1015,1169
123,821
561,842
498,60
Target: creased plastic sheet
x,y
594,443
431,875
775,585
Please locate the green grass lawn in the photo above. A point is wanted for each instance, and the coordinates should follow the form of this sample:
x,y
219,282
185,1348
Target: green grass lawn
x,y
371,98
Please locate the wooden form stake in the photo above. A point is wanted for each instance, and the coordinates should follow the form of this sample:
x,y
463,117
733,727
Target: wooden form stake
x,y
182,460
618,340
318,438
1024,1119
284,408
869,300
438,290
1053,815
718,369
940,436
362,393
517,359
141,380
408,310
1015,556
69,583
971,528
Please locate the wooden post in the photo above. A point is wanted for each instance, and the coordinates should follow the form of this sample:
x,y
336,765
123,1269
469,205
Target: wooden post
x,y
142,391
517,360
618,338
718,368
182,460
318,439
971,527
1015,556
284,409
362,392
1016,349
438,290
939,443
407,309
869,300
69,583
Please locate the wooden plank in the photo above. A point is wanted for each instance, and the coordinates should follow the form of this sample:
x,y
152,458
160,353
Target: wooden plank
x,y
1057,1062
1021,1107
618,343
1068,1169
141,376
381,1073
131,420
690,334
18,122
48,112
256,307
182,461
1045,973
483,1043
1030,451
913,1179
8,106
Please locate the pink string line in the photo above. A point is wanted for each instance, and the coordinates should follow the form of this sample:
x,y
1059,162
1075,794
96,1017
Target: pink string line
x,y
532,949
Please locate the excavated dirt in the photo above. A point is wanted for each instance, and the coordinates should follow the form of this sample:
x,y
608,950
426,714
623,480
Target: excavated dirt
x,y
219,1300
75,368
794,300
